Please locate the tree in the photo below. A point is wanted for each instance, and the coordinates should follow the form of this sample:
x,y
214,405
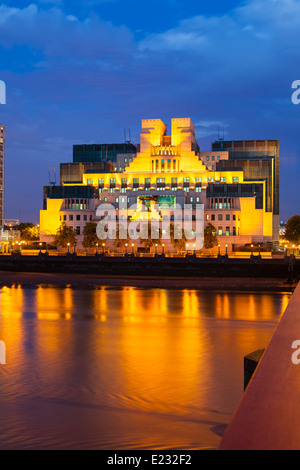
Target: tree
x,y
292,233
29,231
179,243
125,240
90,238
147,231
65,235
210,238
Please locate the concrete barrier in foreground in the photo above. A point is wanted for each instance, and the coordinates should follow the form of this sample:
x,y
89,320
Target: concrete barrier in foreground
x,y
268,416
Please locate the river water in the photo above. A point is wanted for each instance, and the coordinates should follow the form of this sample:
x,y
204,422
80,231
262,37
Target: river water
x,y
126,368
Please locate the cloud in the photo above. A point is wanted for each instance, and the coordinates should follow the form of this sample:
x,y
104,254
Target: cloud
x,y
84,79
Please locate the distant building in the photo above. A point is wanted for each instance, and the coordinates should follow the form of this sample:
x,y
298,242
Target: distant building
x,y
239,190
2,161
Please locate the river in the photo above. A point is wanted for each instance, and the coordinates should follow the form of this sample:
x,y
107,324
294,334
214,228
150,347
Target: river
x,y
126,368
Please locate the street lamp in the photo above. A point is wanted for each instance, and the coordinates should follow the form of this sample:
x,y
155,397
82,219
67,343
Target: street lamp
x,y
132,246
68,247
219,248
251,250
194,249
226,249
163,249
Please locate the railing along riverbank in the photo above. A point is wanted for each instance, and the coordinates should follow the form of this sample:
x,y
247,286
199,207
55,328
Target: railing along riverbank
x,y
268,415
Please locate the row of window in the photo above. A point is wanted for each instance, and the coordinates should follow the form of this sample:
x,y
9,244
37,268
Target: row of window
x,y
78,218
159,188
210,179
221,231
212,158
220,217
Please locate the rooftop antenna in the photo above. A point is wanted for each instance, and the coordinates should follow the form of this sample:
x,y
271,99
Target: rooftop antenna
x,y
125,135
53,181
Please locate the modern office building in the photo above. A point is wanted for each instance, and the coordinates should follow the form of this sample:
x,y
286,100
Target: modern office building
x,y
169,170
101,153
2,161
259,160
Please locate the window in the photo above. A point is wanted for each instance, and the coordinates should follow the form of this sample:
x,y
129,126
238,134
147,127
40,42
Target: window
x,y
111,190
213,217
235,179
174,180
71,217
90,181
219,158
234,231
207,217
77,230
123,190
213,167
210,179
234,217
191,199
65,217
101,181
78,217
186,180
91,218
85,218
207,159
223,179
220,217
147,180
117,199
220,231
227,231
112,180
135,181
213,158
198,179
198,190
124,181
227,216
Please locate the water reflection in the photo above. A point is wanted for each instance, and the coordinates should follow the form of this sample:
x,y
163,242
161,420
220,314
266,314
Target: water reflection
x,y
128,367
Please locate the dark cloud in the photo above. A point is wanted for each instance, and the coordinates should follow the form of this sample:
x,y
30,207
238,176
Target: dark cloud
x,y
75,80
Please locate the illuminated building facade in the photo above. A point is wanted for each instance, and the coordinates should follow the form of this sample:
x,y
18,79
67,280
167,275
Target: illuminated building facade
x,y
167,169
259,160
2,159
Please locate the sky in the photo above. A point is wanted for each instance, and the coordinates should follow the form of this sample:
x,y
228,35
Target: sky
x,y
81,72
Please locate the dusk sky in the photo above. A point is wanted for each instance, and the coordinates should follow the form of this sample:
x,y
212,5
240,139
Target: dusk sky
x,y
81,72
